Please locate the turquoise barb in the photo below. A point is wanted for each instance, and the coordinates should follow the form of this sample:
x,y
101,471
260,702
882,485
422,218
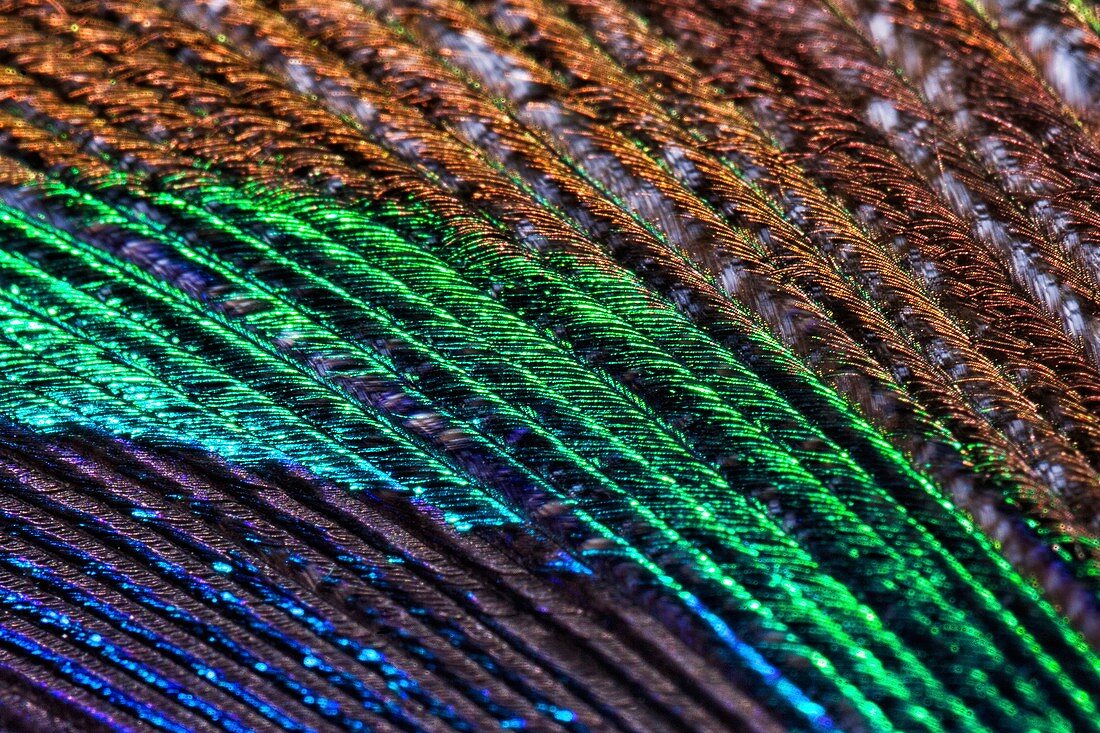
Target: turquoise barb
x,y
355,388
242,296
773,403
297,444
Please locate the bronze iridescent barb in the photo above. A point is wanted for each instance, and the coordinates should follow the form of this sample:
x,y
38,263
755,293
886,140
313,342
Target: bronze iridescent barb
x,y
663,365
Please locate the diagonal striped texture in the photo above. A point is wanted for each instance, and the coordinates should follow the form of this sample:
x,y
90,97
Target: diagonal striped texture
x,y
550,365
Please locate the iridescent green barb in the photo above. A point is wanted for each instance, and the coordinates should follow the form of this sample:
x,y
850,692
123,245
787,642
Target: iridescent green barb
x,y
440,365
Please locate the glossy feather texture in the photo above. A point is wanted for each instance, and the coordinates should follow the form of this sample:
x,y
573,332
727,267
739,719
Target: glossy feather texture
x,y
583,365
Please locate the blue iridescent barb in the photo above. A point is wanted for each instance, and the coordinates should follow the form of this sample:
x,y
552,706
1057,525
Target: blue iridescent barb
x,y
589,365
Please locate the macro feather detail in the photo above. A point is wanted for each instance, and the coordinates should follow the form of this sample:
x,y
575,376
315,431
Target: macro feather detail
x,y
632,365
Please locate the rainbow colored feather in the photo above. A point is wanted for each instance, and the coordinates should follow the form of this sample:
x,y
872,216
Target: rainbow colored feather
x,y
631,365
